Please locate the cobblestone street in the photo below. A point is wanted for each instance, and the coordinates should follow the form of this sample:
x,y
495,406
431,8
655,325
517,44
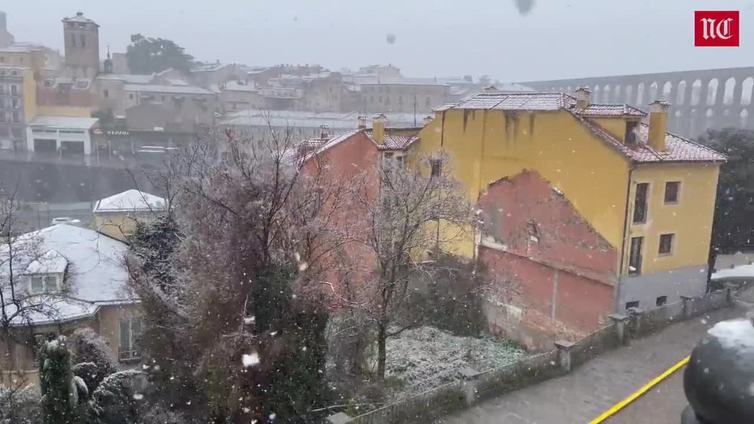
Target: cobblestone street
x,y
604,381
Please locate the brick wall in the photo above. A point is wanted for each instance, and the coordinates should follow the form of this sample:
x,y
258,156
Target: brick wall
x,y
545,260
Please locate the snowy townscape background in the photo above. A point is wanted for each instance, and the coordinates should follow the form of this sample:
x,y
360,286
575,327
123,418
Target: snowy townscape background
x,y
445,216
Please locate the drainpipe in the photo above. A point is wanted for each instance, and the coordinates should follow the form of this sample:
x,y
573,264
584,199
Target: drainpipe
x,y
625,235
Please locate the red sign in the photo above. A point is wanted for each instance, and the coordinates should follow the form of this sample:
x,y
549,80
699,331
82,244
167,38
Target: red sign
x,y
716,28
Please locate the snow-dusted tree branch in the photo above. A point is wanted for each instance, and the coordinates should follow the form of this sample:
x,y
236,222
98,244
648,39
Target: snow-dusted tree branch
x,y
18,305
408,217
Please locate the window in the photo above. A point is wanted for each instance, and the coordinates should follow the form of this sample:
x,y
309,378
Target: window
x,y
671,191
130,330
661,300
106,93
83,40
72,40
640,203
14,90
631,130
634,261
633,304
44,284
16,117
131,96
533,231
14,103
436,165
666,244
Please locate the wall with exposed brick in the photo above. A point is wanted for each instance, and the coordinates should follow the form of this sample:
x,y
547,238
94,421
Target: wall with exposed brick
x,y
543,259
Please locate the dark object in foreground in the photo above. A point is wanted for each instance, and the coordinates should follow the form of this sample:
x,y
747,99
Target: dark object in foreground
x,y
719,378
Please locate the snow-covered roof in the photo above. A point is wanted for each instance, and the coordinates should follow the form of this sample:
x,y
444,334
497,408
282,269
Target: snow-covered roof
x,y
741,272
130,201
301,119
95,274
49,262
80,18
63,122
168,89
678,149
128,78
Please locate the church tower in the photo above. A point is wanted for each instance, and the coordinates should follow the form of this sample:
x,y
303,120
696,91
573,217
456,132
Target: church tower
x,y
6,38
81,36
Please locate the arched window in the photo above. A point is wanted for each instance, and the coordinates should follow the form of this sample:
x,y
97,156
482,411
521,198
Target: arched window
x,y
616,94
653,88
746,87
640,94
667,89
696,92
629,94
680,95
606,93
712,92
730,89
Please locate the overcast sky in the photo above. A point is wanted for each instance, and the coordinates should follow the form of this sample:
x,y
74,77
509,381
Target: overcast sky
x,y
555,39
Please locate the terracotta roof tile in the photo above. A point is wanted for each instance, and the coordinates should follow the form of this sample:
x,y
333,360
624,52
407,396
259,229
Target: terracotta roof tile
x,y
611,110
678,149
516,101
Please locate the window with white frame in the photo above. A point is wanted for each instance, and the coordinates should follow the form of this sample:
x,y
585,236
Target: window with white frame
x,y
130,331
44,283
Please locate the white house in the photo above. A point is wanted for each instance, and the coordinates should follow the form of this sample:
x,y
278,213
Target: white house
x,y
116,215
60,134
68,277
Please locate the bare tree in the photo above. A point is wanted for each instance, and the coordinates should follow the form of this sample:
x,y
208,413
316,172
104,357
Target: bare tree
x,y
18,306
411,212
244,277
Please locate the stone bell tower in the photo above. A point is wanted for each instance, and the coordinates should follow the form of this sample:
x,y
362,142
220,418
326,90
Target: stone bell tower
x,y
81,36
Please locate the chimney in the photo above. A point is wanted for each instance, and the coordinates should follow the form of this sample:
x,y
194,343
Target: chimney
x,y
362,122
658,124
428,119
582,97
378,128
324,132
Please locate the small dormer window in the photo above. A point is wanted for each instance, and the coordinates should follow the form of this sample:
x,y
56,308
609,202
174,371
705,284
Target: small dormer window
x,y
632,130
46,272
44,283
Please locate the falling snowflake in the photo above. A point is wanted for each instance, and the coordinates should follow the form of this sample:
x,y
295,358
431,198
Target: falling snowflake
x,y
138,396
272,416
249,320
250,360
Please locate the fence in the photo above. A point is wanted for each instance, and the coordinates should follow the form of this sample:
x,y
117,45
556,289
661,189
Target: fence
x,y
476,386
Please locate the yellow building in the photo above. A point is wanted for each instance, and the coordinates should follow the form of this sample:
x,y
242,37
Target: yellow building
x,y
116,216
650,194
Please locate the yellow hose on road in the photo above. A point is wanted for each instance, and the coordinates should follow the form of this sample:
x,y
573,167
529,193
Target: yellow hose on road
x,y
637,394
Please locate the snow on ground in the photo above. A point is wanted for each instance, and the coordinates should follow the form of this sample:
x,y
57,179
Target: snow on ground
x,y
738,272
426,357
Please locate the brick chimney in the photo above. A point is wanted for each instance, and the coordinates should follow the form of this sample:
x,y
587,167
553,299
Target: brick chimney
x,y
378,128
583,97
362,122
658,124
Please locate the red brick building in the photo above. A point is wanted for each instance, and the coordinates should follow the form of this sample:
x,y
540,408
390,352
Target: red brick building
x,y
551,272
353,160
